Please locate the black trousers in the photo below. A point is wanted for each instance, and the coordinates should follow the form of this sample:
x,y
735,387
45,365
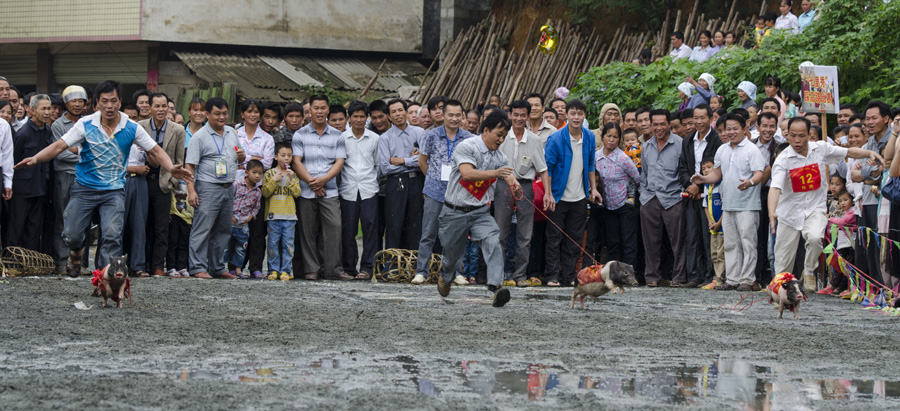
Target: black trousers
x,y
698,260
179,236
256,249
620,227
657,222
297,263
867,252
595,236
353,215
536,257
763,272
404,205
157,224
26,217
571,217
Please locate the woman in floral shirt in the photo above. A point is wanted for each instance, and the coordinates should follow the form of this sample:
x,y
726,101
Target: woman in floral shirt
x,y
616,171
258,145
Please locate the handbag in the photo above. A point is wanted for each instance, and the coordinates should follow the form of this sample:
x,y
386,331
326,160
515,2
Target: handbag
x,y
891,189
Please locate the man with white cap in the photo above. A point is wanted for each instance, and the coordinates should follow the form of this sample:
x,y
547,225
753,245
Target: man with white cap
x,y
64,168
747,94
704,89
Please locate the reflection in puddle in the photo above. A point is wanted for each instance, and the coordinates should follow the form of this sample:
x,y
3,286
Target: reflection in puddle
x,y
731,379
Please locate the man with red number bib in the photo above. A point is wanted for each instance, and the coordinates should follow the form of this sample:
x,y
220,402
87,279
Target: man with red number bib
x,y
797,196
476,164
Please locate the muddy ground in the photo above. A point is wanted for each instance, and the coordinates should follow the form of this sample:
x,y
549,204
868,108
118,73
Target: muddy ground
x,y
214,344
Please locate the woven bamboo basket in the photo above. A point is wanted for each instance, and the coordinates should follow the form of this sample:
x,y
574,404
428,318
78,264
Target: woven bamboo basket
x,y
396,265
18,261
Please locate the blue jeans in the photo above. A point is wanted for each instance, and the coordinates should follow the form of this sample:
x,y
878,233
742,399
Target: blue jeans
x,y
237,245
281,231
77,218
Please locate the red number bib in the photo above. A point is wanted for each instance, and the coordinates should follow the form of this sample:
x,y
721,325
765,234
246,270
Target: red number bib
x,y
477,188
807,178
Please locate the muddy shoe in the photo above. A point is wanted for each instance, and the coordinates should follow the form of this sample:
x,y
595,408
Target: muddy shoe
x,y
443,287
809,282
745,287
501,297
74,264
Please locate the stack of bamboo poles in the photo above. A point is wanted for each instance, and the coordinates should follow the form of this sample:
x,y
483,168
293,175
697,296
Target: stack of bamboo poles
x,y
479,65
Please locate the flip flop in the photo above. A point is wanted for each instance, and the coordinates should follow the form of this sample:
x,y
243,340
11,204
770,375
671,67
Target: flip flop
x,y
363,276
534,282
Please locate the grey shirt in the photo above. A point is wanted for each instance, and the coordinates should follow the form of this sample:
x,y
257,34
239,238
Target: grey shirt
x,y
207,147
319,153
659,174
400,143
526,157
473,151
66,160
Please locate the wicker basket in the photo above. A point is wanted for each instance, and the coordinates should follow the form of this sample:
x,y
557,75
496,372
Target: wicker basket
x,y
396,265
18,261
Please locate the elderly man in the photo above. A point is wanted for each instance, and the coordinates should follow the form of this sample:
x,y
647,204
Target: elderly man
x,y
797,196
169,136
75,98
104,138
29,186
662,208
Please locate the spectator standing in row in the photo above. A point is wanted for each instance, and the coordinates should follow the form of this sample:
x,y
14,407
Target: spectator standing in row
x,y
280,187
525,152
170,136
806,18
702,52
679,49
359,194
26,211
787,21
570,156
398,153
536,122
214,153
259,145
244,208
75,98
319,154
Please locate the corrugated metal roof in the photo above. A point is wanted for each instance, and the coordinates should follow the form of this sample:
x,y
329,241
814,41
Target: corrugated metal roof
x,y
281,78
255,79
288,70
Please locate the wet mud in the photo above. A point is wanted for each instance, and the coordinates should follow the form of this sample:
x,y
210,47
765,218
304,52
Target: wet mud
x,y
186,343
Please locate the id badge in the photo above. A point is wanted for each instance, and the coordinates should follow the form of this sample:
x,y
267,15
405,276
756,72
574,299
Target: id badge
x,y
445,172
221,169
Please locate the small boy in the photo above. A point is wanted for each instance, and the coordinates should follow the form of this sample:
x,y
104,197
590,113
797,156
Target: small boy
x,y
246,204
280,187
712,202
633,150
181,217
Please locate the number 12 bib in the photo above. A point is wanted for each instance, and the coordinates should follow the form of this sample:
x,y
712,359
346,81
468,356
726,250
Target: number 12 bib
x,y
807,178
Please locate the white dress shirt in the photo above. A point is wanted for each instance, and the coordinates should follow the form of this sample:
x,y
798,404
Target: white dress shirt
x,y
360,172
6,153
793,208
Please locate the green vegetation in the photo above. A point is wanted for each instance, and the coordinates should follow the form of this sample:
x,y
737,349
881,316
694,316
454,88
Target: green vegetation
x,y
858,36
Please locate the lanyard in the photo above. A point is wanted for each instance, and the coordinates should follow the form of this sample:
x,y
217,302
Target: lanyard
x,y
217,144
453,147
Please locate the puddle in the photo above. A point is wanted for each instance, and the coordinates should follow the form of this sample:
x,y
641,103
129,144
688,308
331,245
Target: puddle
x,y
723,379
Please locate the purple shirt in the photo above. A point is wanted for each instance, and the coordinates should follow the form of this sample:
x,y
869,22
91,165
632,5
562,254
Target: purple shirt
x,y
614,171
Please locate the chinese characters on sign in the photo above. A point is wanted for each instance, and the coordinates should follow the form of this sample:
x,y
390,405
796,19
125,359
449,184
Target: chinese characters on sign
x,y
819,88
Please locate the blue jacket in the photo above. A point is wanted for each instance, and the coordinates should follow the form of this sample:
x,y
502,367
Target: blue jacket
x,y
558,153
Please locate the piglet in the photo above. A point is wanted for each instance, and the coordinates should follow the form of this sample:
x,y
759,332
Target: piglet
x,y
786,294
597,280
112,282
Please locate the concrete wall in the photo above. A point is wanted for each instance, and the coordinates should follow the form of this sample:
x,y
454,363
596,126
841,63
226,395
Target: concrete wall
x,y
385,26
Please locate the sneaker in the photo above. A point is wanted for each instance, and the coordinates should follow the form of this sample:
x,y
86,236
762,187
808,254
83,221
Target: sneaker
x,y
419,279
509,283
460,280
273,275
501,297
443,287
286,277
744,287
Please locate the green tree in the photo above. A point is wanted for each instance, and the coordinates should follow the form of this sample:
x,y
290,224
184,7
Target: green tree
x,y
858,36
